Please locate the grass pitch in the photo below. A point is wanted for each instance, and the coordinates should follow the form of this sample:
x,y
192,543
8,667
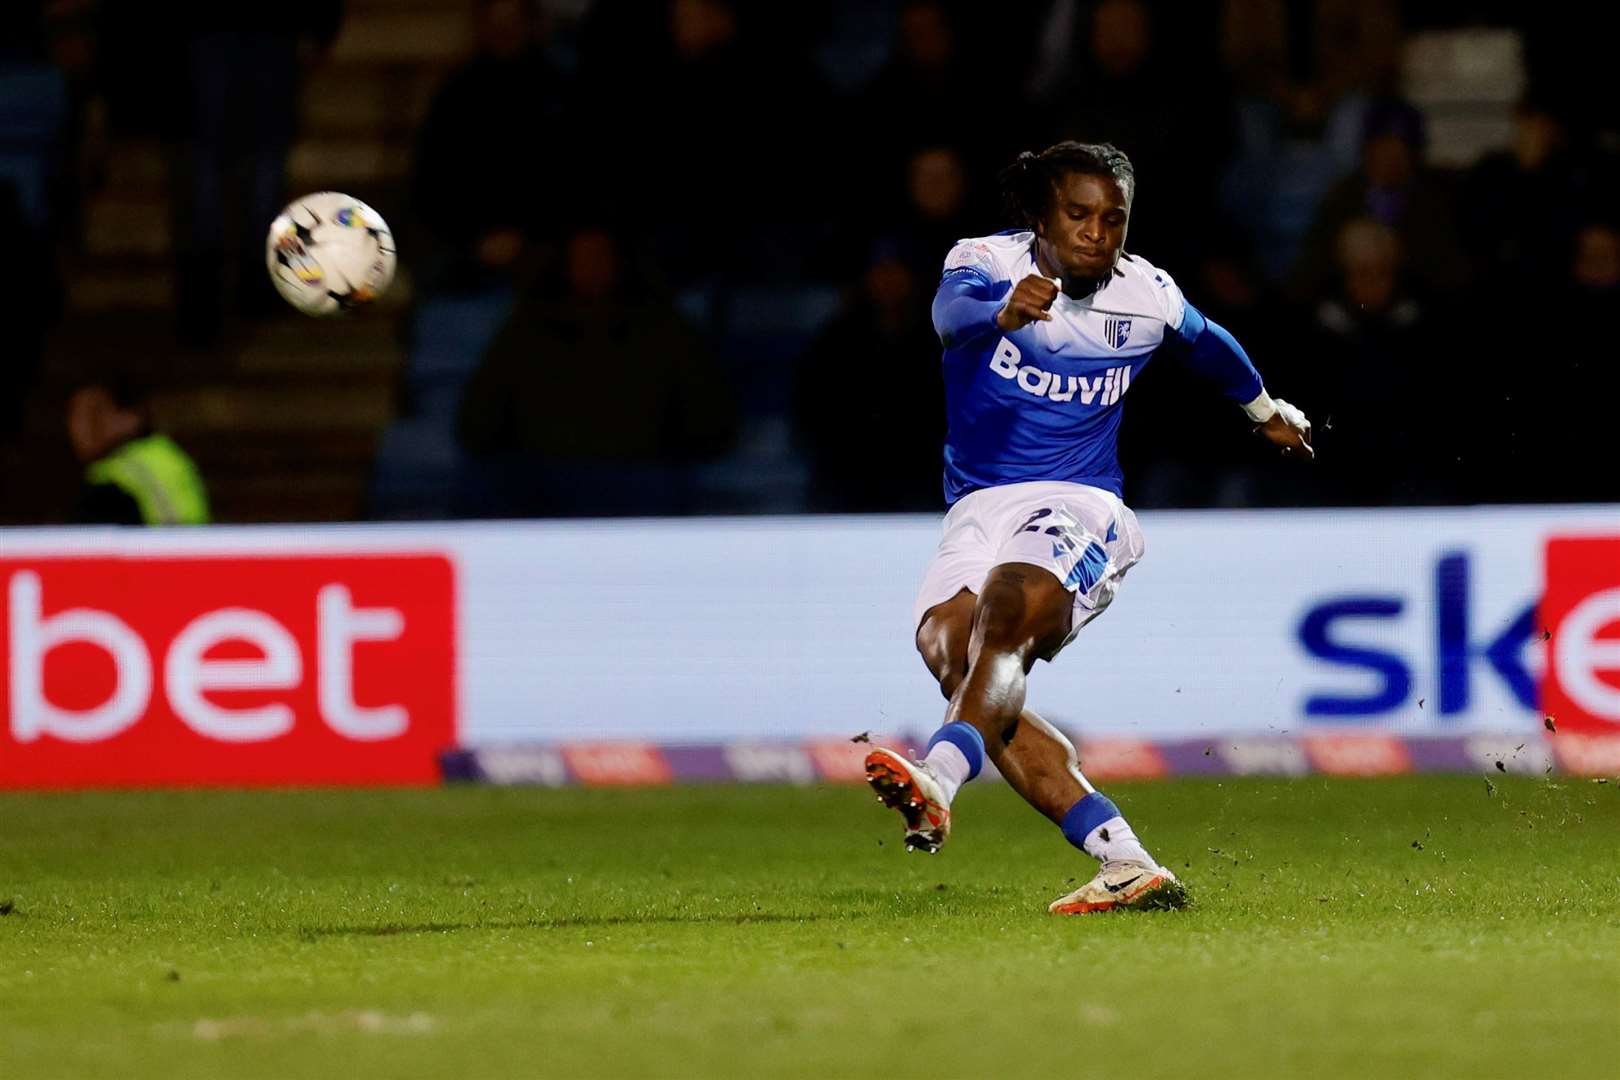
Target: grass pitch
x,y
1411,927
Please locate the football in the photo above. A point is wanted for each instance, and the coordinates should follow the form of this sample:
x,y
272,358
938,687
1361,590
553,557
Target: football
x,y
329,253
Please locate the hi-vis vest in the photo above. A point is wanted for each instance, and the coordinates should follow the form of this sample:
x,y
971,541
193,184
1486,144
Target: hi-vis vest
x,y
159,476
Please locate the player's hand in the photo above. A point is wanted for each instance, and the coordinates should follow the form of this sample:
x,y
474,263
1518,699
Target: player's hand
x,y
1028,301
1289,430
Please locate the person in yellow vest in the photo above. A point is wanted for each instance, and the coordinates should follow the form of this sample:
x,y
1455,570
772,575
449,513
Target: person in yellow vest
x,y
133,475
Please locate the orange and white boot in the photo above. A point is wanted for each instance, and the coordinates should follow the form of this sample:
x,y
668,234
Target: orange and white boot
x,y
911,788
1120,884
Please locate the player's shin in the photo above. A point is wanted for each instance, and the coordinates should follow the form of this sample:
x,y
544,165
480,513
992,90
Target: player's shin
x,y
955,755
1041,765
1089,819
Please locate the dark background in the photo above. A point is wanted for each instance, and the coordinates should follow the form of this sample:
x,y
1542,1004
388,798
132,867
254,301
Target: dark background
x,y
677,257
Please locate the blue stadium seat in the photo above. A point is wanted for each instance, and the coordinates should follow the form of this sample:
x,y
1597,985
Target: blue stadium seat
x,y
33,117
858,42
414,475
448,336
418,459
764,332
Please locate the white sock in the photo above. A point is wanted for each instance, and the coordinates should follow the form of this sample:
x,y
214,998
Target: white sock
x,y
950,767
1115,839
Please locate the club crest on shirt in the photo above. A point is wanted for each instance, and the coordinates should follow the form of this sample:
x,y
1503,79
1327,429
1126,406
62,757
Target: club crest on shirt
x,y
1117,332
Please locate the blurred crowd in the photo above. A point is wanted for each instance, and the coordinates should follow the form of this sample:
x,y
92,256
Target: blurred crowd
x,y
677,256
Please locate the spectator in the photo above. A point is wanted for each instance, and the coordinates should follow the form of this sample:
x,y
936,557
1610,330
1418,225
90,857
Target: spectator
x,y
919,99
35,134
1545,430
1337,48
1304,74
133,475
244,62
1123,90
591,402
1517,199
1394,188
1291,151
701,156
1226,471
1595,270
483,185
27,300
878,448
1385,402
1593,375
936,214
36,117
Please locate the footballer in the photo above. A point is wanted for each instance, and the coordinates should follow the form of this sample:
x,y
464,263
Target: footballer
x,y
1044,328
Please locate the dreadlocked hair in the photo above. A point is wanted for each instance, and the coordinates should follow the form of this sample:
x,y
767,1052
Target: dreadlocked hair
x,y
1028,183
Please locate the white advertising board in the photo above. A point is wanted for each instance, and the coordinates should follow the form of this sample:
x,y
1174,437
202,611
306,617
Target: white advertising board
x,y
1406,621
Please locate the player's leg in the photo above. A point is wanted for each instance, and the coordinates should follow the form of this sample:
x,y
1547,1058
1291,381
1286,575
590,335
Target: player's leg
x,y
1034,757
1129,875
1029,762
1021,613
1024,613
922,791
1038,761
1041,558
981,661
942,640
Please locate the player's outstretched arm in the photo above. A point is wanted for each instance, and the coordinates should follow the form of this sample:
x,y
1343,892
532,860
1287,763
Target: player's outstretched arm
x,y
1214,353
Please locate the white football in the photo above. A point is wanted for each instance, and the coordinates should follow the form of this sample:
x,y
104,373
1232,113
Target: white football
x,y
329,253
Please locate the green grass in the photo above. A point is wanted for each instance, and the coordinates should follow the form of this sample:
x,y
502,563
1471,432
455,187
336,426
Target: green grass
x,y
782,932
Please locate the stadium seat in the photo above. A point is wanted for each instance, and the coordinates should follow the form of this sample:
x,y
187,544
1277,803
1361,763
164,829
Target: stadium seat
x,y
447,338
414,475
33,114
764,332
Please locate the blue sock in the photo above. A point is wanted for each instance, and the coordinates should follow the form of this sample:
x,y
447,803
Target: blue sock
x,y
1085,816
1095,826
956,755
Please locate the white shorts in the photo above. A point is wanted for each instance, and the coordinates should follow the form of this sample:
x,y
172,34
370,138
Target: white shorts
x,y
1084,535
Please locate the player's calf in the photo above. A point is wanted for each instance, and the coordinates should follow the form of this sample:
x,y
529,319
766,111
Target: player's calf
x,y
942,641
1019,608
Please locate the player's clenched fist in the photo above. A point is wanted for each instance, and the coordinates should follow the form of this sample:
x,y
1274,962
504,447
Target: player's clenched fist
x,y
1028,301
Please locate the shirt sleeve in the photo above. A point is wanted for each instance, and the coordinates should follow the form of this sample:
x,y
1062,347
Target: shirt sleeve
x,y
970,293
1209,349
1172,305
965,307
972,257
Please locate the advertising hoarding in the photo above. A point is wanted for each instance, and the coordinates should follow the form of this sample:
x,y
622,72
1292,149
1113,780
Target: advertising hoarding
x,y
1296,640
